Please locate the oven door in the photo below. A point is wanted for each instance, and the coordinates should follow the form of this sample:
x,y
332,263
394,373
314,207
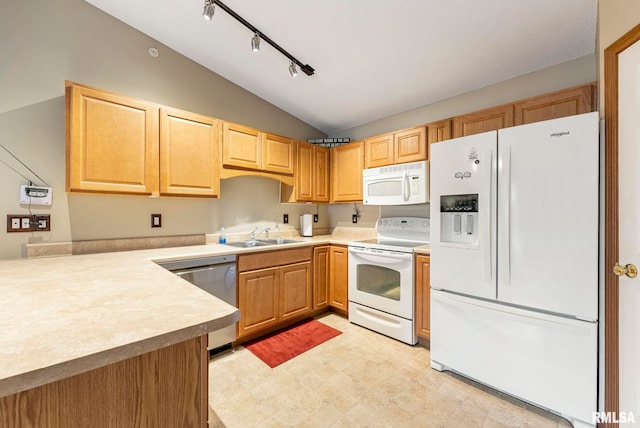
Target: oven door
x,y
382,280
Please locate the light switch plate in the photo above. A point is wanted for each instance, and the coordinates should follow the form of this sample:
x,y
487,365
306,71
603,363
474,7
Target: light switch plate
x,y
156,220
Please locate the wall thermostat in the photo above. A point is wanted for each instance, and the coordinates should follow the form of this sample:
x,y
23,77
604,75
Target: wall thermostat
x,y
35,195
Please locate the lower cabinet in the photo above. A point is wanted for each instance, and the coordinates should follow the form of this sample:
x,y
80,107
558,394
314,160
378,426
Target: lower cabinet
x,y
321,276
273,287
339,277
423,290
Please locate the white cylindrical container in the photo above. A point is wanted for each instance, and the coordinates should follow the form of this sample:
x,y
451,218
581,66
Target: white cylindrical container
x,y
306,225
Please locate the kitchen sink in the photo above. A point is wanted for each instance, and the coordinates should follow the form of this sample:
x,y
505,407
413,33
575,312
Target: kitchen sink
x,y
248,244
261,242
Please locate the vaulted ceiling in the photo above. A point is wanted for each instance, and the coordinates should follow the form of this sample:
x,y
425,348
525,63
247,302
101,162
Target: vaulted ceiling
x,y
372,58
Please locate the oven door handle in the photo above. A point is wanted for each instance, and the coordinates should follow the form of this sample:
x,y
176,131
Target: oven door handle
x,y
382,256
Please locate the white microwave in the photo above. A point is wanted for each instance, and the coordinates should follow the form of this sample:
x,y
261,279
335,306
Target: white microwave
x,y
401,184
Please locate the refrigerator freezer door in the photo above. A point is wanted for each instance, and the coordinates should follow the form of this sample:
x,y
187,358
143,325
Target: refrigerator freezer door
x,y
463,250
548,215
547,360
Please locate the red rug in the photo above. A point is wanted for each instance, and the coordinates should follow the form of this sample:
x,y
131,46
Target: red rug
x,y
286,344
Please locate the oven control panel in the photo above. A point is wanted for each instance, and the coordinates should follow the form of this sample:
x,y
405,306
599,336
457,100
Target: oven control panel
x,y
409,228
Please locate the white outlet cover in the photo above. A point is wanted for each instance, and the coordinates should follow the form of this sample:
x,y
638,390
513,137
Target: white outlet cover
x,y
35,195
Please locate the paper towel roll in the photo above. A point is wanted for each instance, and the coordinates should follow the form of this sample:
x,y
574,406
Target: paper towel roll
x,y
306,225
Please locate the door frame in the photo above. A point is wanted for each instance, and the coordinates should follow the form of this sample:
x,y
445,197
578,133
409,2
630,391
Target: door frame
x,y
611,290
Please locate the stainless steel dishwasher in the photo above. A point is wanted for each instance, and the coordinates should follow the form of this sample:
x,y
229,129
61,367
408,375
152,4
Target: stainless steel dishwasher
x,y
215,275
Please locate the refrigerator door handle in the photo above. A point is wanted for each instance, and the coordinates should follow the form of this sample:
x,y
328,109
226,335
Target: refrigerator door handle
x,y
485,236
507,211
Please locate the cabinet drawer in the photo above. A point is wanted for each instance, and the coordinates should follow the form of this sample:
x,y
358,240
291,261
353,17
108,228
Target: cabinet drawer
x,y
273,258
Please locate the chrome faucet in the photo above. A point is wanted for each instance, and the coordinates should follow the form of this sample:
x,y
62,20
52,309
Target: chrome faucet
x,y
254,235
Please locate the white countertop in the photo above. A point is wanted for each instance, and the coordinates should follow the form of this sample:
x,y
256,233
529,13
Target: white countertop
x,y
62,316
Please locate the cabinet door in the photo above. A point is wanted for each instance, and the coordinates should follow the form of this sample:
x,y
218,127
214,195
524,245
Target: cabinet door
x,y
483,121
347,162
277,154
304,172
112,143
320,174
410,145
295,290
241,146
379,151
188,154
321,277
436,132
257,300
423,295
557,104
338,289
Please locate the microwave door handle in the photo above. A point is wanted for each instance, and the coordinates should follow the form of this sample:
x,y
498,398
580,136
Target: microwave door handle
x,y
405,187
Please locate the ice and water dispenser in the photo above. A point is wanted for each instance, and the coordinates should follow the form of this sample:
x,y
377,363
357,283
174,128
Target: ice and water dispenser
x,y
459,219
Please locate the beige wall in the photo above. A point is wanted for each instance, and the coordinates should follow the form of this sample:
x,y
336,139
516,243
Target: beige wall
x,y
72,40
565,75
615,18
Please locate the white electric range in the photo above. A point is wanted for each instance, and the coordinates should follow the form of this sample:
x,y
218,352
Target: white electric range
x,y
381,277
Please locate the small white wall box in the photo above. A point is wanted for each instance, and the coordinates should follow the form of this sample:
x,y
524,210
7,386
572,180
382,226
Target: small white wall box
x,y
35,195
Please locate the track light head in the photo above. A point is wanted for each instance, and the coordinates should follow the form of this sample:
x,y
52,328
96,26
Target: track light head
x,y
209,10
293,71
255,43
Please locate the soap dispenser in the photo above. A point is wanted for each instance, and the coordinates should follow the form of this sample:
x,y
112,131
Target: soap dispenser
x,y
222,239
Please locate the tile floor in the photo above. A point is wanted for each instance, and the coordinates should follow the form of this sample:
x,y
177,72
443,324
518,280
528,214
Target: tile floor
x,y
357,379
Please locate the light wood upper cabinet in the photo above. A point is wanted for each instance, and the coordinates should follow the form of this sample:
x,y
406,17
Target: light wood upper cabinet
x,y
111,143
409,145
483,121
277,154
347,163
241,146
557,104
439,131
423,296
379,151
311,177
249,148
188,154
320,171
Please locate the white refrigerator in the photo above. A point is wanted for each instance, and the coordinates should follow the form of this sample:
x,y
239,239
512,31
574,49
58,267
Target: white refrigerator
x,y
514,262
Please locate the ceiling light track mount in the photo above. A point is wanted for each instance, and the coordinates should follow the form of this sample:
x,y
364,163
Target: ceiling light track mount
x,y
258,35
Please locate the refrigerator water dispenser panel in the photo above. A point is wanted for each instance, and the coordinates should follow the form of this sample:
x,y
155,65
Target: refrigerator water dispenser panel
x,y
459,220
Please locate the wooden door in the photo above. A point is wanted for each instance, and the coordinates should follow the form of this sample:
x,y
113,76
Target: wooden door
x,y
410,145
188,154
320,174
483,121
296,294
257,300
347,162
112,143
423,294
557,104
339,277
321,269
278,154
378,151
241,146
622,294
304,172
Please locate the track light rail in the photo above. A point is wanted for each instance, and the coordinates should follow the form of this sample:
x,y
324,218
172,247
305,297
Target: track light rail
x,y
305,68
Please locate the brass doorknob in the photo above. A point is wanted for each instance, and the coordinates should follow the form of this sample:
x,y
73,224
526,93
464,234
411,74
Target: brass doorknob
x,y
630,270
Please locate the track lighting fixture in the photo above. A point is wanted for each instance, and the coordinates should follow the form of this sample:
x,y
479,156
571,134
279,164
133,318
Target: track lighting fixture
x,y
209,6
209,10
293,71
255,43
